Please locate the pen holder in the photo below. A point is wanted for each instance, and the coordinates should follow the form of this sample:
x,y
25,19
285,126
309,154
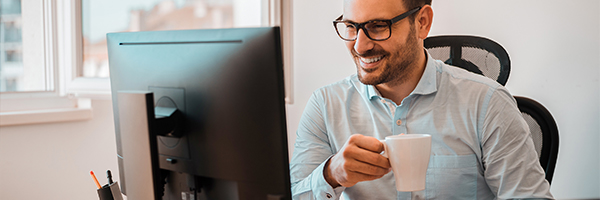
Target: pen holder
x,y
110,192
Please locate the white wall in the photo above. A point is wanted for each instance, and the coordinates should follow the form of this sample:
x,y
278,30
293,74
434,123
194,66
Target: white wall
x,y
53,161
554,47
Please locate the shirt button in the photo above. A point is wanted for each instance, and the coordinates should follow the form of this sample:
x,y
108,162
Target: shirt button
x,y
328,195
399,122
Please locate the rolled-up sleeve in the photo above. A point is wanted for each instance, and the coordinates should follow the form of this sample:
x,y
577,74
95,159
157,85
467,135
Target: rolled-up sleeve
x,y
311,151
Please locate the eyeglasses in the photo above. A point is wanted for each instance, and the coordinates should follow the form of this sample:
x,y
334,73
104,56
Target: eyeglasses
x,y
377,30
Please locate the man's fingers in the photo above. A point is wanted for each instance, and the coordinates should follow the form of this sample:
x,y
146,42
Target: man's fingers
x,y
360,154
366,168
374,159
358,160
366,142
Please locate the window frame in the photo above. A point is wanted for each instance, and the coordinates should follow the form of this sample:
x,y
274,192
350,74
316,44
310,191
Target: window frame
x,y
95,88
279,14
57,105
71,96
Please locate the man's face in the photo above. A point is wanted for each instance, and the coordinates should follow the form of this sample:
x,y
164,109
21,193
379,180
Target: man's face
x,y
388,61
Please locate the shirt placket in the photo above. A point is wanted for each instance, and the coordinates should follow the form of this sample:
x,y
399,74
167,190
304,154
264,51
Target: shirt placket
x,y
398,114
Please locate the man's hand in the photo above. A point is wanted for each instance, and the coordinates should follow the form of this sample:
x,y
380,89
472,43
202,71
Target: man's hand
x,y
358,160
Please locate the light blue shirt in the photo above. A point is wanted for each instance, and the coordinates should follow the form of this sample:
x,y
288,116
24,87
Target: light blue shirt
x,y
481,146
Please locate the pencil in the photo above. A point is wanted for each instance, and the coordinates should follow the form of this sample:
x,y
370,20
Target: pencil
x,y
95,179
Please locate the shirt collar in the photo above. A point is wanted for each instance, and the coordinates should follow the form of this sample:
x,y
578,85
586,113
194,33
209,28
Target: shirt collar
x,y
427,84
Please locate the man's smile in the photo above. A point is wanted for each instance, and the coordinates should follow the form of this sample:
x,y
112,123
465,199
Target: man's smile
x,y
371,60
370,64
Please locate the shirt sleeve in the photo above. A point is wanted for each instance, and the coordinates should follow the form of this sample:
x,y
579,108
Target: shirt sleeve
x,y
511,164
311,151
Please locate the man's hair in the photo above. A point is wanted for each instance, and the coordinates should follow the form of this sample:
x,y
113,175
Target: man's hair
x,y
411,4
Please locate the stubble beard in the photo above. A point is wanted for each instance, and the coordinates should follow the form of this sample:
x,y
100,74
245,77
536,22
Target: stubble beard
x,y
398,68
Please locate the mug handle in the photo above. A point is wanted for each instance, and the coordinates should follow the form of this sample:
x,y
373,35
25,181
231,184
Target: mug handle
x,y
385,149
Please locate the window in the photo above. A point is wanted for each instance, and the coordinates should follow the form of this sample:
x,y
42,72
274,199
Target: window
x,y
101,17
53,53
22,66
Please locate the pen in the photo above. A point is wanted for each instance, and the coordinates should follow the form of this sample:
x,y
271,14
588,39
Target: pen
x,y
109,176
95,180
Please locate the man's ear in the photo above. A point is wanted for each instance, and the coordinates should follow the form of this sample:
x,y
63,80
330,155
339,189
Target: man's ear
x,y
423,20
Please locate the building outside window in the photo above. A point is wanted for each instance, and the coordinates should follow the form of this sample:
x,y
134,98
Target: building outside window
x,y
156,15
25,61
11,46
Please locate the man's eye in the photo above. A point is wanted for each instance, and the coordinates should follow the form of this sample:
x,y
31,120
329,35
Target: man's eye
x,y
377,25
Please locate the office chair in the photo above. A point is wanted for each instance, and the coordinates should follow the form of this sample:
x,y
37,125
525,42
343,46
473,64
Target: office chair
x,y
486,57
544,132
476,54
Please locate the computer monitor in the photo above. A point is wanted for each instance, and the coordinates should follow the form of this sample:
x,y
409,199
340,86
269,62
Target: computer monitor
x,y
200,114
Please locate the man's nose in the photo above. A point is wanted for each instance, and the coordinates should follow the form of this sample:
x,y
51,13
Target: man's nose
x,y
362,43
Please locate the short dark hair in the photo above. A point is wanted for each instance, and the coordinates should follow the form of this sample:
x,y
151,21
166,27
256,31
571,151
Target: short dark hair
x,y
410,4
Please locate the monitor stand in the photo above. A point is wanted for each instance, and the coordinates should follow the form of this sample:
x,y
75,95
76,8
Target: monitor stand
x,y
140,161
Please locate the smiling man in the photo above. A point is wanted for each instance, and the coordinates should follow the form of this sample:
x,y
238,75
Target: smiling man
x,y
481,147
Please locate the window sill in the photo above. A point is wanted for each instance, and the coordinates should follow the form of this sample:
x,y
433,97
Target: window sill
x,y
93,88
82,111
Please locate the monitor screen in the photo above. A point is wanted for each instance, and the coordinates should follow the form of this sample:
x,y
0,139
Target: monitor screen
x,y
200,114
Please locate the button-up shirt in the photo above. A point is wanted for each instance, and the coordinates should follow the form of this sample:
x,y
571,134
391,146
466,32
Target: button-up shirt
x,y
481,145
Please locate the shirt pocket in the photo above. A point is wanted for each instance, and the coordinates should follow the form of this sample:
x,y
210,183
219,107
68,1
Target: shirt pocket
x,y
452,177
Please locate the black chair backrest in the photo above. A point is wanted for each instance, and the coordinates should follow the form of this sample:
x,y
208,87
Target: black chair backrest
x,y
476,54
486,57
544,132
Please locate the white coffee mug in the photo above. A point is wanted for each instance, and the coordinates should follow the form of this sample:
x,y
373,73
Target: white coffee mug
x,y
409,158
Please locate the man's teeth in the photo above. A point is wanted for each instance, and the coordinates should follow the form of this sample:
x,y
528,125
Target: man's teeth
x,y
371,60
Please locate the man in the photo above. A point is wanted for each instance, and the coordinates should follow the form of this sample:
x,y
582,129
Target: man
x,y
480,143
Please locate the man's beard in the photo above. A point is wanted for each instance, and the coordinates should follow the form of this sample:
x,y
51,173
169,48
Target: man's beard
x,y
397,69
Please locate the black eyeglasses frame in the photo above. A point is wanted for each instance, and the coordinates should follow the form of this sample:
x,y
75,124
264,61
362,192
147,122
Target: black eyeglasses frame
x,y
362,25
